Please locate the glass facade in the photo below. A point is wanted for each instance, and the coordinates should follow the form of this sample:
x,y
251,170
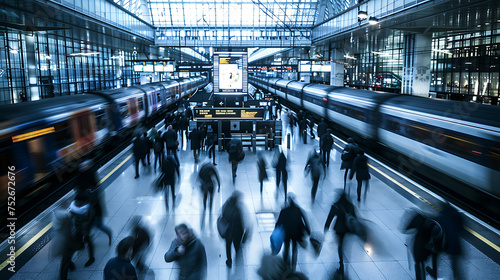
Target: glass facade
x,y
57,70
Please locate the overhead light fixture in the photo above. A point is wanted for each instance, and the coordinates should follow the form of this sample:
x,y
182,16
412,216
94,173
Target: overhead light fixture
x,y
381,53
373,20
14,51
349,57
468,62
48,57
362,15
445,51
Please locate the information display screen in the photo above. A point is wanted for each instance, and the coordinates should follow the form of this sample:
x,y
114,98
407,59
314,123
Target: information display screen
x,y
229,113
315,66
230,71
138,67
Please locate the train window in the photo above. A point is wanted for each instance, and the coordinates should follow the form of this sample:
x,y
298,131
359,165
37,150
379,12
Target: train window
x,y
84,127
101,119
132,106
124,113
63,136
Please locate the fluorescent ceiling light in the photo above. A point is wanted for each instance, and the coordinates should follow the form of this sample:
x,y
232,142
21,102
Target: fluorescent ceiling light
x,y
87,53
381,53
349,57
373,20
362,15
14,51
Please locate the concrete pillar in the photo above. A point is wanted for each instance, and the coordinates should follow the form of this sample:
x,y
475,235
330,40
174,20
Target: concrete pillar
x,y
337,71
33,90
417,65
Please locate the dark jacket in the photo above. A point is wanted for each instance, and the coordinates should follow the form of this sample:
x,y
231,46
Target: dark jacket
x,y
233,214
193,263
140,147
142,239
170,137
339,209
294,222
87,179
158,146
360,167
189,113
234,155
170,168
326,141
313,165
206,174
183,123
422,237
452,224
119,269
261,167
211,139
351,149
322,127
280,163
83,217
195,138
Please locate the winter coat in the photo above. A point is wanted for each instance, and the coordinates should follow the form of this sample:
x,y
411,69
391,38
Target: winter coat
x,y
294,222
326,142
170,168
193,263
339,209
119,269
349,148
170,137
195,138
360,167
322,127
183,123
234,156
140,147
233,214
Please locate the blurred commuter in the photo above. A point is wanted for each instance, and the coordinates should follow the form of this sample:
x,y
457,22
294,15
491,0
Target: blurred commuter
x,y
261,167
326,146
206,175
183,126
239,230
452,225
169,119
99,209
280,164
171,174
347,157
314,167
211,142
66,243
158,150
203,136
235,150
119,267
189,113
423,235
83,217
170,139
189,254
303,130
275,268
195,138
278,110
139,148
142,240
360,167
342,209
295,224
149,145
87,177
310,123
322,127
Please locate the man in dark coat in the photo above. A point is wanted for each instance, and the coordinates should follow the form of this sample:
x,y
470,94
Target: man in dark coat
x,y
239,229
326,146
313,166
322,127
170,139
294,223
139,149
281,172
148,146
211,142
189,113
235,150
303,130
83,217
195,138
360,167
347,157
189,254
170,169
339,209
119,267
206,175
158,148
261,167
142,240
183,125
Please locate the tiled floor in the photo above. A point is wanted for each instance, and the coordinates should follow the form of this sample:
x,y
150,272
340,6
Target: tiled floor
x,y
385,258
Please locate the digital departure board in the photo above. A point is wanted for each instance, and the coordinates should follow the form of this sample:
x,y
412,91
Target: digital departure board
x,y
230,71
229,113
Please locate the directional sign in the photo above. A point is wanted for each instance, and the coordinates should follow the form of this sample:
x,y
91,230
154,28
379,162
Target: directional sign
x,y
229,113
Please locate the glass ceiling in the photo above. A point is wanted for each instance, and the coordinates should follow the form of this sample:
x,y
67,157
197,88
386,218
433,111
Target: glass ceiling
x,y
235,13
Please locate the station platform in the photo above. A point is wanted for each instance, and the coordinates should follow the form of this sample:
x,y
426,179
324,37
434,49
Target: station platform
x,y
388,198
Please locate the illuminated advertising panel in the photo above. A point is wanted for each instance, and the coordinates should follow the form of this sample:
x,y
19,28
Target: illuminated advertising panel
x,y
305,66
138,67
229,113
159,66
148,67
230,71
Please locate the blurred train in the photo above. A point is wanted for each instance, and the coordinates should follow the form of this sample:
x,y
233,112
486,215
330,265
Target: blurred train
x,y
44,137
440,138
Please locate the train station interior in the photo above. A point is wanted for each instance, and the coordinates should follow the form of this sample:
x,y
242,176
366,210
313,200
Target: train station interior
x,y
375,122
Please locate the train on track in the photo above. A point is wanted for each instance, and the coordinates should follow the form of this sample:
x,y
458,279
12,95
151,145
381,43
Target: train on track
x,y
41,138
441,138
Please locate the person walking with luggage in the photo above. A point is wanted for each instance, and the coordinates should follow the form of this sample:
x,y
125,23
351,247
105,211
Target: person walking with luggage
x,y
341,209
236,154
294,223
326,146
238,230
360,168
347,157
189,253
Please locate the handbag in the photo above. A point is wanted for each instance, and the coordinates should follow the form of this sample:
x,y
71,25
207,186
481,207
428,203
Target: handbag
x,y
277,238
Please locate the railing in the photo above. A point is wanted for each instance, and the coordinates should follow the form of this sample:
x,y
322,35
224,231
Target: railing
x,y
248,140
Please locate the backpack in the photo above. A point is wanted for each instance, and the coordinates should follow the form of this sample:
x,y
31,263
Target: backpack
x,y
437,243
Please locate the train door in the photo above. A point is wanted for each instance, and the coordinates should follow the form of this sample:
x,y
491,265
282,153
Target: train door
x,y
83,125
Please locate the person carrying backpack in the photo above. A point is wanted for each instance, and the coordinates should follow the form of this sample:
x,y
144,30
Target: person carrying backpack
x,y
344,210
